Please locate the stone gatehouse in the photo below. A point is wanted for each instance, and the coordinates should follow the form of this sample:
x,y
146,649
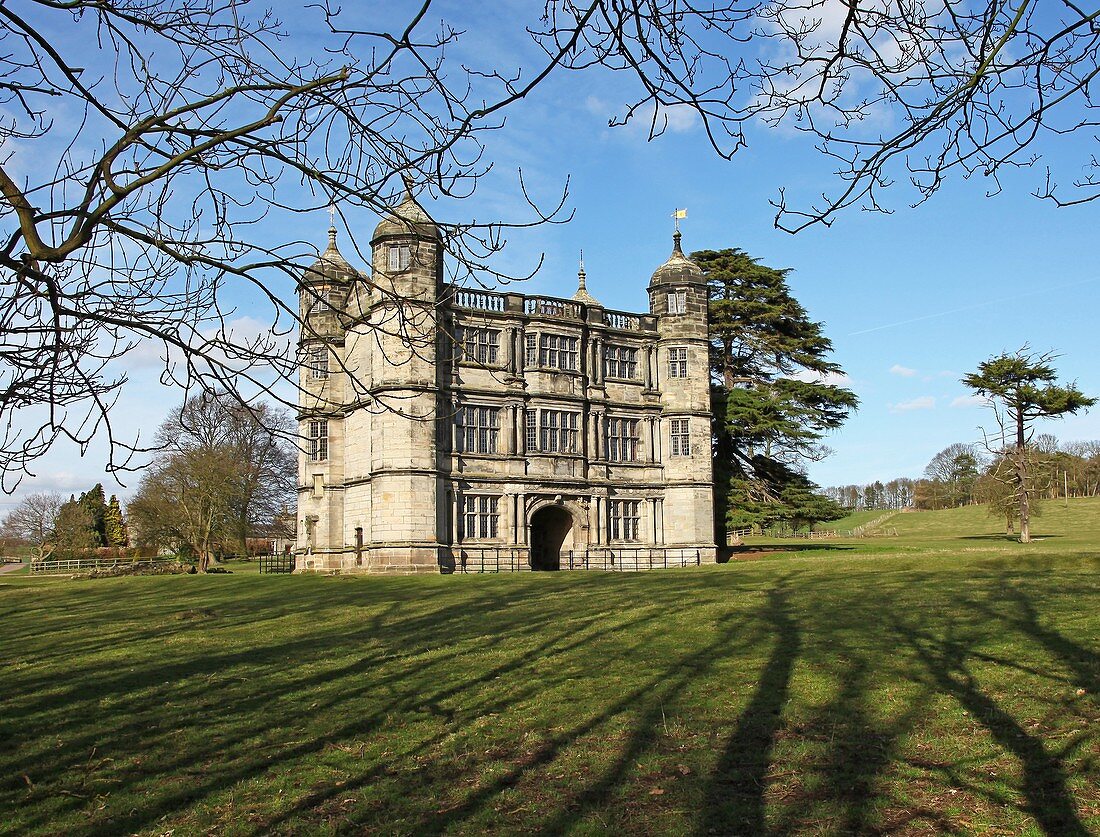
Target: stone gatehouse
x,y
451,429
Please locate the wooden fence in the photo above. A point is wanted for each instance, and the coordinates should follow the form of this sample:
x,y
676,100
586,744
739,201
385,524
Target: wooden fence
x,y
77,566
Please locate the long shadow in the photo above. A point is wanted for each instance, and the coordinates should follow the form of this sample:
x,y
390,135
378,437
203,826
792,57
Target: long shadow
x,y
771,549
734,796
1004,537
1083,662
1044,777
129,734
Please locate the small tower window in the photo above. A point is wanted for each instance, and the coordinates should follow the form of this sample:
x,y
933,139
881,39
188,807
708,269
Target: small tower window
x,y
399,257
677,363
318,441
677,302
317,361
681,438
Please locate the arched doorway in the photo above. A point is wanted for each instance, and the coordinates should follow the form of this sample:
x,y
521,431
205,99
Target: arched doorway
x,y
550,526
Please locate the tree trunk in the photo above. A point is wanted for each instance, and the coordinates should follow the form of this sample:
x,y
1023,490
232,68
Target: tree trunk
x,y
1025,500
1021,477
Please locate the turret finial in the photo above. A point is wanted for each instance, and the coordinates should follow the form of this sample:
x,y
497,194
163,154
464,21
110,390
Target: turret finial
x,y
582,294
332,225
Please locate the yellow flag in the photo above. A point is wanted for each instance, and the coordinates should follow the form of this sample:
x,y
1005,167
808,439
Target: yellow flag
x,y
681,213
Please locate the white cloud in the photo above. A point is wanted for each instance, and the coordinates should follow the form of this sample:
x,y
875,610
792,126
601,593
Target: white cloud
x,y
904,371
923,402
836,379
963,401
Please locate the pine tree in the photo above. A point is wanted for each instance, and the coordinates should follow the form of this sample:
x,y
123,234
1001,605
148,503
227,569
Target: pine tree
x,y
772,397
95,504
114,524
1021,389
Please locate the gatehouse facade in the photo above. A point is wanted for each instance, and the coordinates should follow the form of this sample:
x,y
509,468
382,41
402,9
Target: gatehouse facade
x,y
449,429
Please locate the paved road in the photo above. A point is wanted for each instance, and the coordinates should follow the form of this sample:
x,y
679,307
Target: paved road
x,y
9,568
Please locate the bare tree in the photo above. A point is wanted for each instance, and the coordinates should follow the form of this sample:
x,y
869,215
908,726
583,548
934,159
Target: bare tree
x,y
219,473
34,520
154,149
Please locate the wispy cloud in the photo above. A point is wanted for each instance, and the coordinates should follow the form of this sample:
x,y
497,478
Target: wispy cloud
x,y
924,402
963,401
836,379
904,371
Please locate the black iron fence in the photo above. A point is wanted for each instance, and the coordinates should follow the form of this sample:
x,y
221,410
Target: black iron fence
x,y
277,563
509,559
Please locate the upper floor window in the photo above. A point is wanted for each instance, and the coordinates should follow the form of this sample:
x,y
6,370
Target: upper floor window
x,y
558,431
318,441
478,429
681,438
625,517
557,351
620,362
531,353
317,362
677,302
622,440
480,345
480,516
678,363
327,301
398,257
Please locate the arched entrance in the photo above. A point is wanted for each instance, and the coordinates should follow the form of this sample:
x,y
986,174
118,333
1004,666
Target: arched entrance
x,y
550,526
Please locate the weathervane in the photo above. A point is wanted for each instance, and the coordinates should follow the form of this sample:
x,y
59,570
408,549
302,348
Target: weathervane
x,y
677,215
332,215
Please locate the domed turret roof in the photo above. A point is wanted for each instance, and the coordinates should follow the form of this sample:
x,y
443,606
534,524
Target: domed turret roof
x,y
331,264
407,218
679,269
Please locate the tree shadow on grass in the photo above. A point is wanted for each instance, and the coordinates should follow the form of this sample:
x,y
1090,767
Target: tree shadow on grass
x,y
1002,537
1044,783
734,795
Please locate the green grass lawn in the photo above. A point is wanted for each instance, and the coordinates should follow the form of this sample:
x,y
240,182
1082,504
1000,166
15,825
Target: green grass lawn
x,y
946,681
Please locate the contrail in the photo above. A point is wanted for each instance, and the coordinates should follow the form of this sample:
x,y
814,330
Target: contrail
x,y
975,306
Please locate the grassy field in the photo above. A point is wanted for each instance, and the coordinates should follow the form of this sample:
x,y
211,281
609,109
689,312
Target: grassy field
x,y
946,681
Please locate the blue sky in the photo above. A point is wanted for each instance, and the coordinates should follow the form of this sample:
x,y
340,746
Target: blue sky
x,y
911,300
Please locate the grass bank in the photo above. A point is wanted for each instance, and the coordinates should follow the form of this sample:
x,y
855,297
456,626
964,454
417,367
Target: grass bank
x,y
923,685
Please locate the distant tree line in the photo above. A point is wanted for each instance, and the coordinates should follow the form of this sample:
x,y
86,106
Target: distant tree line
x,y
219,480
964,474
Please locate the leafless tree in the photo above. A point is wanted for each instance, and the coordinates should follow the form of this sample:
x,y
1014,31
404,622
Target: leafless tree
x,y
221,470
153,150
34,520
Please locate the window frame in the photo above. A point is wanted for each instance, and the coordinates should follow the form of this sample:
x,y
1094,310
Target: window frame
x,y
482,435
318,440
480,517
677,362
484,352
558,431
625,518
679,437
619,358
551,350
677,301
398,258
621,439
317,362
